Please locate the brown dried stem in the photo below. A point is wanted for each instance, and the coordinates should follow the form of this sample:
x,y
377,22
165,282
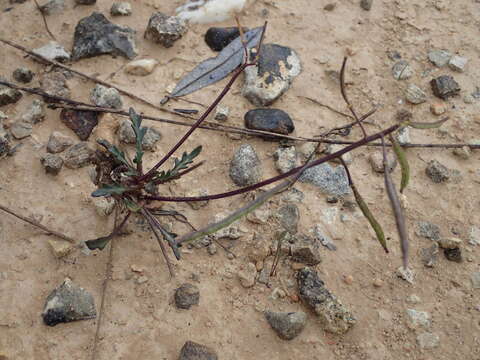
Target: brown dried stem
x,y
44,20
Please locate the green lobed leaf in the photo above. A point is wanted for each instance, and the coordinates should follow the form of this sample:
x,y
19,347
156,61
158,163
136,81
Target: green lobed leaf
x,y
132,205
179,164
109,190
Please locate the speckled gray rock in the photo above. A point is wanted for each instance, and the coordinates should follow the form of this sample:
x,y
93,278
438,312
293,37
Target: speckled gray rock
x,y
95,35
194,351
127,135
186,296
5,144
332,314
401,70
121,9
272,120
330,180
458,63
430,255
322,238
55,83
23,75
35,113
415,95
437,172
53,51
68,302
445,86
288,216
52,163
57,142
427,230
79,155
439,58
245,167
293,195
106,97
285,159
21,129
80,122
164,29
428,341
376,160
287,325
273,74
306,250
53,7
418,319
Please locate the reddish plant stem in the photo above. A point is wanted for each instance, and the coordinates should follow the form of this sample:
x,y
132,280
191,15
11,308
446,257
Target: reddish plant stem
x,y
279,177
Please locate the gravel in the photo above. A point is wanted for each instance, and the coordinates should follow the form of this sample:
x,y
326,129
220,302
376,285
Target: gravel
x,y
287,325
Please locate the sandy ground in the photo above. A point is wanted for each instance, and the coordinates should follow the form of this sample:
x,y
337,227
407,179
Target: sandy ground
x,y
139,320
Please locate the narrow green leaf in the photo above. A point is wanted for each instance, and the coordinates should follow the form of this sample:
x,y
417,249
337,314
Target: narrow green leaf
x,y
402,159
371,219
434,125
108,190
132,205
99,243
116,152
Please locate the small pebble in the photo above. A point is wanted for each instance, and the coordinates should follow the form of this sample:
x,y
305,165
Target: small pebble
x,y
445,86
186,296
348,279
121,9
221,113
378,283
438,108
141,67
415,95
23,75
330,7
401,70
366,4
164,29
458,63
439,58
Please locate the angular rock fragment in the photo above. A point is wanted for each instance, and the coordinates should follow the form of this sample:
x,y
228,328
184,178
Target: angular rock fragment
x,y
55,83
164,29
80,122
287,325
245,167
332,314
52,163
121,9
437,172
95,35
439,57
285,159
445,86
186,296
57,142
79,155
106,97
194,351
53,51
68,302
305,250
35,112
8,95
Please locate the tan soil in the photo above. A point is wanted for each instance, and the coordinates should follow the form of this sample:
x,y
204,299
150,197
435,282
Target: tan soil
x,y
139,320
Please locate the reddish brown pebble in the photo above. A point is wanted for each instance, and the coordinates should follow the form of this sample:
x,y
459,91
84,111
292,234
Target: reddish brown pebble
x,y
438,108
377,283
348,279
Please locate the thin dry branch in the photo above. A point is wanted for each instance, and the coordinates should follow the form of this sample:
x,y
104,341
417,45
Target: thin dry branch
x,y
44,20
37,224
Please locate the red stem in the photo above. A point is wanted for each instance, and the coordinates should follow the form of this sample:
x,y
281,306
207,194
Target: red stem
x,y
279,177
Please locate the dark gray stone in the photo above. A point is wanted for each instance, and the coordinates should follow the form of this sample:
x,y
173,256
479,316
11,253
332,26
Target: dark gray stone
x,y
366,4
8,95
106,97
164,29
245,167
272,75
68,302
194,351
288,216
85,2
445,86
52,163
23,75
272,120
219,37
127,135
427,230
332,314
453,254
186,296
330,180
437,172
79,155
80,122
306,250
287,325
95,35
